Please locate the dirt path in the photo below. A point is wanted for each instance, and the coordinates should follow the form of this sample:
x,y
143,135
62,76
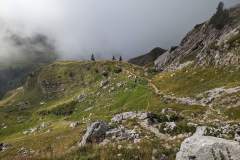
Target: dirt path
x,y
204,99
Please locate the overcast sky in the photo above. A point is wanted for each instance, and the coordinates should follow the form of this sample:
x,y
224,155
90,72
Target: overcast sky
x,y
107,27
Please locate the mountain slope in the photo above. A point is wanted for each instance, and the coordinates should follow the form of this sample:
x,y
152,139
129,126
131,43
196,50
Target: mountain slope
x,y
206,45
147,59
38,116
109,110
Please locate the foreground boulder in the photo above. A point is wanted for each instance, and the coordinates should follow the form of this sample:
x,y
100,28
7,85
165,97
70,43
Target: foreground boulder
x,y
199,147
96,133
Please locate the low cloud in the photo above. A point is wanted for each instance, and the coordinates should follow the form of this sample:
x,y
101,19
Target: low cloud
x,y
80,28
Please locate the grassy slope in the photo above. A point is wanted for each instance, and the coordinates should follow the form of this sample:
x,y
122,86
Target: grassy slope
x,y
60,106
192,81
76,78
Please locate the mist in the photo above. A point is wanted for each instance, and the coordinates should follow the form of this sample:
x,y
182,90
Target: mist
x,y
103,27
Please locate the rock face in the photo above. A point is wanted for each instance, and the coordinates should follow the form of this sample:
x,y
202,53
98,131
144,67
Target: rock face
x,y
199,147
205,45
96,133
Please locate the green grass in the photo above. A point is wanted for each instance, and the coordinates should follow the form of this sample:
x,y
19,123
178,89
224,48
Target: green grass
x,y
60,107
141,151
189,82
233,113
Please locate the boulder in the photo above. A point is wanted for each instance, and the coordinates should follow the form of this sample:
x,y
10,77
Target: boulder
x,y
74,124
199,147
96,133
4,147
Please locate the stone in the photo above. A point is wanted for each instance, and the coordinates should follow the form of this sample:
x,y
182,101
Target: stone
x,y
103,83
199,147
124,116
81,98
170,126
25,151
74,124
95,133
119,85
4,147
42,103
147,116
121,133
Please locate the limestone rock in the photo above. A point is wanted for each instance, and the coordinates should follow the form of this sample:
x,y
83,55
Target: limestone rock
x,y
96,133
147,116
199,147
121,133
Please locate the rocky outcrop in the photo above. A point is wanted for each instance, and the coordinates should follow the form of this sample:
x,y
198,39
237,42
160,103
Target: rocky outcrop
x,y
95,133
102,133
205,45
121,133
209,98
131,115
43,126
199,147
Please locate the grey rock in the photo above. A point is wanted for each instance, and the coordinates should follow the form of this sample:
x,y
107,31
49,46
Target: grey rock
x,y
170,126
74,124
121,133
199,147
103,83
4,147
95,133
147,116
124,116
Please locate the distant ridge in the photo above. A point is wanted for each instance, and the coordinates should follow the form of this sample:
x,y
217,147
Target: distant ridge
x,y
149,58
